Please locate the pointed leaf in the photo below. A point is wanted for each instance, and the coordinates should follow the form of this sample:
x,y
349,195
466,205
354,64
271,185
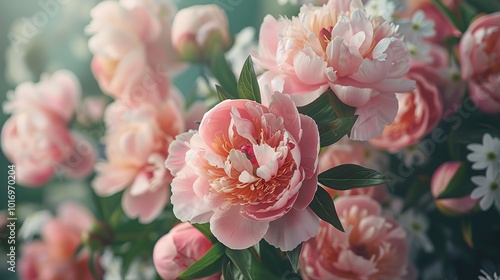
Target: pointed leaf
x,y
459,186
223,94
248,265
351,176
205,229
293,257
322,205
341,110
222,72
450,15
207,265
334,131
248,88
320,109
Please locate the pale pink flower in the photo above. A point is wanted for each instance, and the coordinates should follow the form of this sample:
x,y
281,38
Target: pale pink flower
x,y
337,46
479,52
52,257
197,29
58,94
137,142
132,49
178,249
355,152
419,111
372,247
251,171
440,180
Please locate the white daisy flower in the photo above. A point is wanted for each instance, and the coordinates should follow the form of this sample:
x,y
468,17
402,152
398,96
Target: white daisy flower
x,y
488,189
382,8
487,155
421,25
485,276
416,226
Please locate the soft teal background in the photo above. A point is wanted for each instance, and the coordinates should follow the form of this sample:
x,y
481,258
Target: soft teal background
x,y
51,50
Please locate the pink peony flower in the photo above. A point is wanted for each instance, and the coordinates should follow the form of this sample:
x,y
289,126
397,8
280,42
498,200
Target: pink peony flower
x,y
337,46
479,52
36,138
355,152
178,249
58,94
372,247
440,180
52,257
197,29
137,142
132,49
251,171
419,111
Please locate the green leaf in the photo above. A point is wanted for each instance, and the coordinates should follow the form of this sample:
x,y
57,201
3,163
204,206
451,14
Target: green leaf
x,y
207,265
293,257
468,12
248,88
322,205
222,72
450,15
248,265
229,271
92,265
459,186
341,110
222,93
334,131
205,229
351,176
78,250
320,109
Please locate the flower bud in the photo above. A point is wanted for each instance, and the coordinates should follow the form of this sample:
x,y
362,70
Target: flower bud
x,y
199,31
440,181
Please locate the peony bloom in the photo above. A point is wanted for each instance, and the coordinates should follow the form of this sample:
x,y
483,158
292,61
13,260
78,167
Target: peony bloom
x,y
419,111
479,52
35,138
355,152
337,46
52,257
440,180
132,49
251,171
137,142
372,247
178,249
198,29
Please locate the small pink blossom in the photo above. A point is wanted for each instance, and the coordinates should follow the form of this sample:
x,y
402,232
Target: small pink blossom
x,y
337,46
419,111
479,52
52,257
137,142
355,152
251,171
440,180
178,249
132,49
373,247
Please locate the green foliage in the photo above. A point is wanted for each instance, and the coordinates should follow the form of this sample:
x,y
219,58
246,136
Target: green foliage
x,y
248,88
207,265
322,205
350,176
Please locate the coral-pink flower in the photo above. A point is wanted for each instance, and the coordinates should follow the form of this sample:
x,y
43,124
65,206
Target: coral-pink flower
x,y
419,111
440,181
132,49
355,152
251,171
479,52
372,247
362,60
53,257
137,142
178,249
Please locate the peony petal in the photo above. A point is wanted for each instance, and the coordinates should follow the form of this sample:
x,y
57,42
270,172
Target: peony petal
x,y
292,229
187,205
234,231
177,152
147,206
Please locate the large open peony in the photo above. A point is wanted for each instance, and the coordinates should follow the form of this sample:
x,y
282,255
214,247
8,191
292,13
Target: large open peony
x,y
251,171
337,46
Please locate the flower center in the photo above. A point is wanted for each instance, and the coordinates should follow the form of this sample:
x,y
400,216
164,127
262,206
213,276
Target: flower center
x,y
416,226
494,186
491,156
360,250
325,36
247,149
